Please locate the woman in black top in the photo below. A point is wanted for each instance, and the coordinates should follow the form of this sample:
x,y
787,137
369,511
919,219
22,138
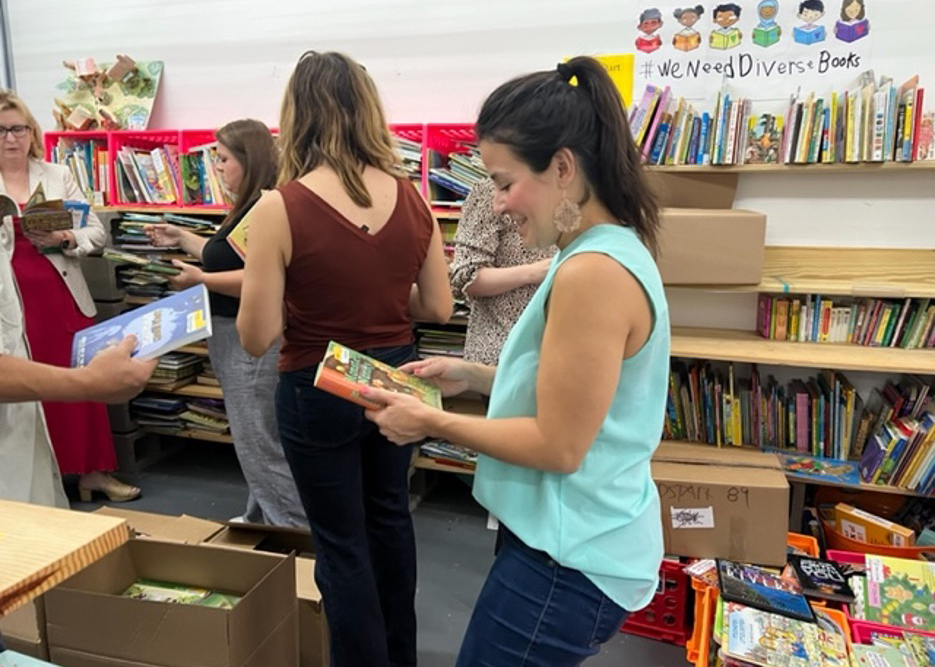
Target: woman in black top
x,y
247,164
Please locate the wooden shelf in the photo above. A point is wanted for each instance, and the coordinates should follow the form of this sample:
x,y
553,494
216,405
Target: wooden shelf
x,y
207,436
860,167
426,463
802,479
883,272
192,390
154,208
194,349
863,486
748,346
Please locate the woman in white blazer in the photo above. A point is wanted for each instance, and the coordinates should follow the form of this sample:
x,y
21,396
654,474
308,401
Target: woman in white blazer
x,y
56,300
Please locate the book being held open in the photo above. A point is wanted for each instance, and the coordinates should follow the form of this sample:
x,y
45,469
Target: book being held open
x,y
160,327
345,372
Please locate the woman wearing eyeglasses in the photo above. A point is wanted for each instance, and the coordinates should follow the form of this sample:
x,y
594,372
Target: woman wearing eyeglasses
x,y
56,300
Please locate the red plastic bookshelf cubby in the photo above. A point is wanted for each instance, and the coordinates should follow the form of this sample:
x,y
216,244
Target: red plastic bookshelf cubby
x,y
411,131
442,139
50,139
189,139
147,139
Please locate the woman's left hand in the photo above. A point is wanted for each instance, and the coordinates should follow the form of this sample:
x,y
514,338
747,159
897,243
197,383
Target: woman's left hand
x,y
190,275
403,419
51,239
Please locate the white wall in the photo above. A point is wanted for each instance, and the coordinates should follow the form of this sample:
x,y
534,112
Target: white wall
x,y
434,60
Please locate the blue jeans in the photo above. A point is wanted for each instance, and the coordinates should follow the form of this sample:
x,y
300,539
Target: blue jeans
x,y
353,483
532,612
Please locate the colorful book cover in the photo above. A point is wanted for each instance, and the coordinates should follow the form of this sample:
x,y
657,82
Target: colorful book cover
x,y
864,655
161,326
756,587
237,238
900,592
344,372
772,640
821,579
819,469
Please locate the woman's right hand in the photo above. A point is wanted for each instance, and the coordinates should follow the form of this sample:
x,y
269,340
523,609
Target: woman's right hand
x,y
163,235
453,376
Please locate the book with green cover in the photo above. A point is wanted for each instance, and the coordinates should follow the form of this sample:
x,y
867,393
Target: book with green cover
x,y
345,372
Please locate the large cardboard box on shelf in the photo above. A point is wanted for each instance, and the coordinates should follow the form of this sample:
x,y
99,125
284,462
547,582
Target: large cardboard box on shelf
x,y
313,627
722,503
711,247
23,630
165,527
88,620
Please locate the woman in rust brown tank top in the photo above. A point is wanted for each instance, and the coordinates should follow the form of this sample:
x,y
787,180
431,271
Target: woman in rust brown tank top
x,y
345,249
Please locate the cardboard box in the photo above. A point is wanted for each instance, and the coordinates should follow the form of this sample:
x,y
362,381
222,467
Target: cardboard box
x,y
694,189
722,503
23,630
711,247
165,527
870,528
313,627
87,617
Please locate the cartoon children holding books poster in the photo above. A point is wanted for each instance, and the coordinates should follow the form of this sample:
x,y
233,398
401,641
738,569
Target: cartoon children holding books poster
x,y
811,32
853,24
650,21
767,32
727,35
687,39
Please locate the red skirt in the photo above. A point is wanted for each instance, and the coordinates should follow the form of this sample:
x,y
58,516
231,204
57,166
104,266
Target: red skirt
x,y
80,432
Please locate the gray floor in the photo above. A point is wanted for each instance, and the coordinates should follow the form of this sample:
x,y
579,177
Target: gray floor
x,y
455,549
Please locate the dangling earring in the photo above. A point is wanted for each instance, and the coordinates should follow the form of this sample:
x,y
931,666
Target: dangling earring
x,y
567,216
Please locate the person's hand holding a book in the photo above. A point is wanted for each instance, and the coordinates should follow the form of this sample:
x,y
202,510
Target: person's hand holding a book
x,y
58,239
113,376
404,418
188,275
163,235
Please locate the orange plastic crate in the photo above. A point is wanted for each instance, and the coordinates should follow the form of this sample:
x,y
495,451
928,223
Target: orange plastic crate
x,y
700,635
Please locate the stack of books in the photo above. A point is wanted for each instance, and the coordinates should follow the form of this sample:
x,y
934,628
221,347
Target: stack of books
x,y
175,369
148,176
200,183
907,324
460,172
87,161
171,415
448,454
410,152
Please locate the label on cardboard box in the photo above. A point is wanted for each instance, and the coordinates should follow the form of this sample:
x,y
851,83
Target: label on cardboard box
x,y
699,517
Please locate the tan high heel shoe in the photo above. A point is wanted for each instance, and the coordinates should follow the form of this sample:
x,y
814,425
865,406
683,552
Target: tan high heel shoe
x,y
115,490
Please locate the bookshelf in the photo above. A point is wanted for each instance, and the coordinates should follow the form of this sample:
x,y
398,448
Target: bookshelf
x,y
750,347
190,390
206,436
865,168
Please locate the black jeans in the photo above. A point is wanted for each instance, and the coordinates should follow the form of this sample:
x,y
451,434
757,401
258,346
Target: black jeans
x,y
354,486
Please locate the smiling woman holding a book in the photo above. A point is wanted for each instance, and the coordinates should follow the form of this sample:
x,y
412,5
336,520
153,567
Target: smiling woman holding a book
x,y
578,398
352,249
247,165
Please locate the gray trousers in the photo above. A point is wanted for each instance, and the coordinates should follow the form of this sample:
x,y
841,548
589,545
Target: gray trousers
x,y
249,386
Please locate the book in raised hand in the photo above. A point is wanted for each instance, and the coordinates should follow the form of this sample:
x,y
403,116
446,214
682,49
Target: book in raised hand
x,y
160,327
345,372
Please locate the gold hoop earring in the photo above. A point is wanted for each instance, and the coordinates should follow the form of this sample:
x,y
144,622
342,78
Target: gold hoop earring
x,y
567,216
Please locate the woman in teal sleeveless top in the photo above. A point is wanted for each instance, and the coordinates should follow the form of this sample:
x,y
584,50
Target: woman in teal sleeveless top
x,y
577,400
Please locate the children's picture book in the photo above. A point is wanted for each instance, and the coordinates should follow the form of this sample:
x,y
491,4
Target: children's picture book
x,y
146,263
826,470
161,326
46,215
756,587
168,592
772,640
865,655
921,647
344,372
821,579
238,237
898,592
